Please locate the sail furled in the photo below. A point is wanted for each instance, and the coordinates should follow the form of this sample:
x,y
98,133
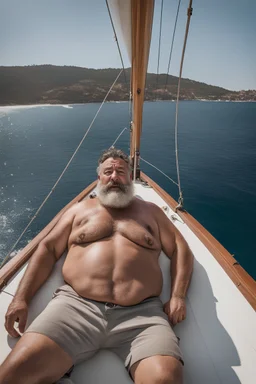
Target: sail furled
x,y
121,16
133,22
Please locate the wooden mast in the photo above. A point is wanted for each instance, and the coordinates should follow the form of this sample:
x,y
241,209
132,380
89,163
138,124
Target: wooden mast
x,y
142,19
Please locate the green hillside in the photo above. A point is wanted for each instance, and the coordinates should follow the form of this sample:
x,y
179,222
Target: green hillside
x,y
66,84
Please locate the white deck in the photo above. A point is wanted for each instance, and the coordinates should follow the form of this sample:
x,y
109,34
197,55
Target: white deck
x,y
218,337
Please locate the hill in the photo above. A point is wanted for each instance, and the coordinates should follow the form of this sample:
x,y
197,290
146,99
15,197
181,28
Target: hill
x,y
41,84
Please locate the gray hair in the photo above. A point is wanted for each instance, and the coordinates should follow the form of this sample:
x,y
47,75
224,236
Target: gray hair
x,y
115,154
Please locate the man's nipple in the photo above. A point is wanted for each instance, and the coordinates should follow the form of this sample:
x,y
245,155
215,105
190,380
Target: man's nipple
x,y
148,240
82,236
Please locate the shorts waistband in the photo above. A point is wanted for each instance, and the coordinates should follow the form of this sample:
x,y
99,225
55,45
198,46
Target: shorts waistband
x,y
113,305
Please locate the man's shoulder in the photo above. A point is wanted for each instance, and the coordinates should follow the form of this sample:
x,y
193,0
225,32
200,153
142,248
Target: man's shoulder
x,y
152,206
157,212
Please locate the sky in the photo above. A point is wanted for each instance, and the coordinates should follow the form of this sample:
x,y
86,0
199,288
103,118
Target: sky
x,y
221,47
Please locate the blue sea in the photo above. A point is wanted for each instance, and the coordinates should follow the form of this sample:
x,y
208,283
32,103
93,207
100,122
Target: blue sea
x,y
217,146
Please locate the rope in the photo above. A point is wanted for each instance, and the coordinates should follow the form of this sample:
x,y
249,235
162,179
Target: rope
x,y
130,105
7,293
55,185
135,160
174,30
130,115
174,182
118,137
159,45
117,43
189,14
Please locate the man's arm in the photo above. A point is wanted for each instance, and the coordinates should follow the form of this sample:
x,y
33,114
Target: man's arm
x,y
177,249
38,270
181,267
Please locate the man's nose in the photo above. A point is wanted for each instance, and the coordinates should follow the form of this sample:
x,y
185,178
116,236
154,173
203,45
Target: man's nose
x,y
114,176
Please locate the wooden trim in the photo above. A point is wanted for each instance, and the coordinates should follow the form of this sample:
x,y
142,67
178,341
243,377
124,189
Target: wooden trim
x,y
244,282
14,265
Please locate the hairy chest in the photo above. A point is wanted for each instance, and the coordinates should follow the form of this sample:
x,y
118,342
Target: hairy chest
x,y
99,225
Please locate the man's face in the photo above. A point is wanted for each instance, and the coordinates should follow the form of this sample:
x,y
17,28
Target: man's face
x,y
114,172
115,187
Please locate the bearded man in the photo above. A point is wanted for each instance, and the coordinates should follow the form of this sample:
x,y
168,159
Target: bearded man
x,y
112,285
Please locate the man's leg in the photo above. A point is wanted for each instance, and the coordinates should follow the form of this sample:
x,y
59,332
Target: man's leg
x,y
142,336
157,370
35,359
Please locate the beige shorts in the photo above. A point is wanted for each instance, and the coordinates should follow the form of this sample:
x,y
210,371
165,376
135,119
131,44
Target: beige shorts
x,y
82,327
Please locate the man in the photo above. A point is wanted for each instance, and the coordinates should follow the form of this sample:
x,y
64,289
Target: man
x,y
113,280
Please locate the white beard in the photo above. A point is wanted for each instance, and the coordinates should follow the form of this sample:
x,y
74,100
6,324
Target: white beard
x,y
115,198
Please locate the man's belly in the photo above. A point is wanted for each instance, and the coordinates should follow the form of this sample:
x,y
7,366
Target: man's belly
x,y
123,274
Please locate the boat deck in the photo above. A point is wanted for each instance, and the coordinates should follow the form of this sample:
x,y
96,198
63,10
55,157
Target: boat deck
x,y
218,337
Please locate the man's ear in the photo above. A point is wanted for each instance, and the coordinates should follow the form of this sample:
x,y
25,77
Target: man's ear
x,y
98,177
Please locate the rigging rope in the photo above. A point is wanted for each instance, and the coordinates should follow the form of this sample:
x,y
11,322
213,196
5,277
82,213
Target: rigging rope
x,y
189,14
173,36
130,113
159,45
58,180
118,137
174,182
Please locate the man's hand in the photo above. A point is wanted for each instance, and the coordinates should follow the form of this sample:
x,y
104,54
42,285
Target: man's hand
x,y
175,308
17,311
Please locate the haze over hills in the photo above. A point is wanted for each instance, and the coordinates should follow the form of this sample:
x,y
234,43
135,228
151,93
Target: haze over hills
x,y
43,84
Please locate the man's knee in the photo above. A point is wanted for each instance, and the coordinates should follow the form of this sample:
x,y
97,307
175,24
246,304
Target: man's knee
x,y
34,359
13,362
19,367
167,374
158,370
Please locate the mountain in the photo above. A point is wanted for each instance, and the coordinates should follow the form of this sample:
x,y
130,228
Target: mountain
x,y
43,84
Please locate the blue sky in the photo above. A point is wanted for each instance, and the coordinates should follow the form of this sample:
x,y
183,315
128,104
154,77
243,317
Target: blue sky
x,y
221,47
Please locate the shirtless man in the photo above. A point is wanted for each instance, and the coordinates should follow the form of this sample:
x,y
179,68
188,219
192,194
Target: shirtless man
x,y
113,280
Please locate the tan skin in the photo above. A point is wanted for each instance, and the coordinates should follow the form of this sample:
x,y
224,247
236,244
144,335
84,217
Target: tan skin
x,y
108,250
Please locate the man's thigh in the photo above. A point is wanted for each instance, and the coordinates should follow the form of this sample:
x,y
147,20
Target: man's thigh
x,y
72,322
155,340
35,359
144,331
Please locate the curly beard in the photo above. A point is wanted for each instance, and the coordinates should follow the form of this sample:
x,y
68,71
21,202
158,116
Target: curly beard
x,y
118,197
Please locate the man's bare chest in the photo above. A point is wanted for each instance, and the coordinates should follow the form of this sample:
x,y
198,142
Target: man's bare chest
x,y
100,225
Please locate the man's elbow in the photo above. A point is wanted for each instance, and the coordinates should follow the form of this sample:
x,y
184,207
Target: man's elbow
x,y
46,251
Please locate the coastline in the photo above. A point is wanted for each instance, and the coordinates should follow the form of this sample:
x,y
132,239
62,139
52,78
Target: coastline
x,y
70,105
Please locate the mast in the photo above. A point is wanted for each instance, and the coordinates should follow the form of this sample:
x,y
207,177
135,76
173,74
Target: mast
x,y
142,19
